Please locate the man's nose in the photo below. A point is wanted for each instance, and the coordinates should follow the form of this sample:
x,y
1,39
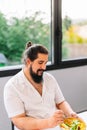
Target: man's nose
x,y
43,66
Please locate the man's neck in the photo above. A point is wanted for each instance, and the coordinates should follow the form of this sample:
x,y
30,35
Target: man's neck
x,y
37,86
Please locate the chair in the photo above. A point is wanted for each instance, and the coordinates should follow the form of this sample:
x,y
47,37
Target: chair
x,y
12,126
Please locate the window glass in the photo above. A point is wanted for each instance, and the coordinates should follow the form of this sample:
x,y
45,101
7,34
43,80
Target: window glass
x,y
74,29
22,21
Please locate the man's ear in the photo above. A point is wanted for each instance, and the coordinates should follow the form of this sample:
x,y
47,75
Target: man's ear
x,y
28,61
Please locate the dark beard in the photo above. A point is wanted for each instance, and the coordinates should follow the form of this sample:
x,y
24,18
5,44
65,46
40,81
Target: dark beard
x,y
36,77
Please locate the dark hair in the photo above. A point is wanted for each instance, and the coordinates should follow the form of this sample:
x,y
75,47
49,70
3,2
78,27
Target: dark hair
x,y
32,50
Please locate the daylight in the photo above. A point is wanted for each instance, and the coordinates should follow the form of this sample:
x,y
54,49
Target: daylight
x,y
75,9
22,8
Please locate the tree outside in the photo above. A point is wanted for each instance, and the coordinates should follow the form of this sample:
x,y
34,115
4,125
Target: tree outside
x,y
16,32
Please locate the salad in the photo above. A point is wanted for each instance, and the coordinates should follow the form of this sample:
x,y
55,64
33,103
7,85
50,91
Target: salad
x,y
73,124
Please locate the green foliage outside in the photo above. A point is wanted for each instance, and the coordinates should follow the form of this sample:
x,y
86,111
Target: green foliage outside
x,y
66,24
16,32
70,33
73,37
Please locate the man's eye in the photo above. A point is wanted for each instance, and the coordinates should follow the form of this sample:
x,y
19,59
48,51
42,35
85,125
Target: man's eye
x,y
40,63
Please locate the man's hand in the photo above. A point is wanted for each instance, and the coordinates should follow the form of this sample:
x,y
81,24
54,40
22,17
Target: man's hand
x,y
56,119
73,114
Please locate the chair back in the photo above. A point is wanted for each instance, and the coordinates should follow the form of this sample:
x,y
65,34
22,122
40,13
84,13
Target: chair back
x,y
12,126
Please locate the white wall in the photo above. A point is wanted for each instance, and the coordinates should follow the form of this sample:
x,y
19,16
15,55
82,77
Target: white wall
x,y
73,83
4,121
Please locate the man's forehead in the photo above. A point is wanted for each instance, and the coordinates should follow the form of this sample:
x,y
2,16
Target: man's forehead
x,y
42,57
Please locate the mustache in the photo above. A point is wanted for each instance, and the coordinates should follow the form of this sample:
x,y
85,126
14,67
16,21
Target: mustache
x,y
40,70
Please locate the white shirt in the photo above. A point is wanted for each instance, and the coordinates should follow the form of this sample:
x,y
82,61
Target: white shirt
x,y
21,97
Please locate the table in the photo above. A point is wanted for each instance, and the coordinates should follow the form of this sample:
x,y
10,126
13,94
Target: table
x,y
83,115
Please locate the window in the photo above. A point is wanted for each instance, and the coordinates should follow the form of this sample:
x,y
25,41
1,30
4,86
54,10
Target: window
x,y
22,21
60,25
74,28
67,15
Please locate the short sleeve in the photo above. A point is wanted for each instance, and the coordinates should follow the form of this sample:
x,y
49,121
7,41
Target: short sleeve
x,y
59,95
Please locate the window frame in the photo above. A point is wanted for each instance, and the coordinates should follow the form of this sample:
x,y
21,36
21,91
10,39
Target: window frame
x,y
56,46
57,40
